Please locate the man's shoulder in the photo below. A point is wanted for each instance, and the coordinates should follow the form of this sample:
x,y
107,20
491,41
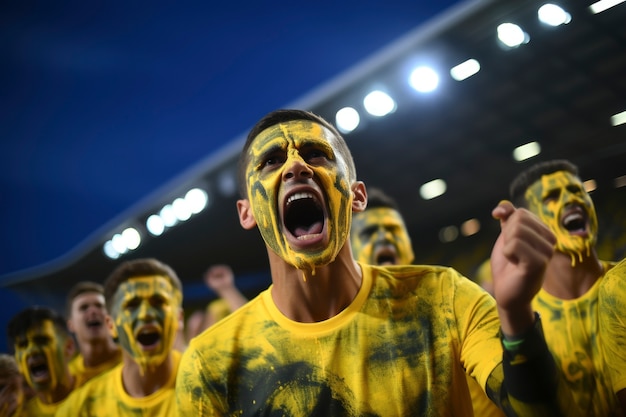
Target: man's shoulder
x,y
76,363
617,268
614,279
425,280
101,382
417,271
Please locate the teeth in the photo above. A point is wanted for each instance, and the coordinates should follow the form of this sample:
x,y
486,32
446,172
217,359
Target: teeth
x,y
147,330
299,196
572,217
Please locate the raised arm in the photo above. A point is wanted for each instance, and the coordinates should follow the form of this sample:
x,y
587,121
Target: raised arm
x,y
221,279
532,384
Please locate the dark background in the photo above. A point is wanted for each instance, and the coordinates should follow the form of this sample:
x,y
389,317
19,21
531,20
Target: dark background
x,y
104,102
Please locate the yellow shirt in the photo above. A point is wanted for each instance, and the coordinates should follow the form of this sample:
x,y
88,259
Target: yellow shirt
x,y
482,405
105,396
84,374
612,305
402,347
35,408
571,330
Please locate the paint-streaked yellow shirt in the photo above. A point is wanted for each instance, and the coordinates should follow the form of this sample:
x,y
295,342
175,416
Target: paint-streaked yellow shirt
x,y
34,407
612,306
105,396
571,331
399,349
482,405
84,374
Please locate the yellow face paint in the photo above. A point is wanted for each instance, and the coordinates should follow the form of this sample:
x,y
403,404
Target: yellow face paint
x,y
42,347
379,236
271,155
144,314
550,197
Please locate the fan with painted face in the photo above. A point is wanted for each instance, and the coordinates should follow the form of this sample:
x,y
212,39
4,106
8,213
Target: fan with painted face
x,y
144,319
379,235
43,348
562,203
305,222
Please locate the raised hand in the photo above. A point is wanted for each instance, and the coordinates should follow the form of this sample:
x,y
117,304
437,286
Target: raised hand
x,y
219,278
518,262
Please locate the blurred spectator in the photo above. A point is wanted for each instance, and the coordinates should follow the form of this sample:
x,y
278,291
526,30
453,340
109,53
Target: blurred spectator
x,y
87,313
43,348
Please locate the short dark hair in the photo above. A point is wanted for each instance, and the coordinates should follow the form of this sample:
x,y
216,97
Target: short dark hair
x,y
79,288
377,198
284,116
33,316
138,268
529,176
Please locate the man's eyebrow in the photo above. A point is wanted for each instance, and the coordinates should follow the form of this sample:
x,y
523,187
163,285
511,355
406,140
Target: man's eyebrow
x,y
271,150
315,142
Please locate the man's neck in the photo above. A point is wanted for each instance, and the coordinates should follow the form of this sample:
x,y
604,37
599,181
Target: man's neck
x,y
59,393
567,282
96,352
141,383
313,296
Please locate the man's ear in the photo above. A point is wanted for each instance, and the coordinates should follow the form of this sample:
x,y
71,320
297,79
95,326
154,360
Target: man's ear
x,y
246,217
359,202
70,347
181,319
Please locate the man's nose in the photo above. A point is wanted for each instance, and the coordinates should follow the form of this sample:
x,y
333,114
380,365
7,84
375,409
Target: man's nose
x,y
296,168
146,311
91,309
384,235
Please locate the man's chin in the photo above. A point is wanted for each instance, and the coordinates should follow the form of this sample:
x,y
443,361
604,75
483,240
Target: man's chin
x,y
306,262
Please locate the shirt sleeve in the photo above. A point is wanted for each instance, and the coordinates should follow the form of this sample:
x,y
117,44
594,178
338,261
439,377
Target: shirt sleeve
x,y
612,323
529,383
523,380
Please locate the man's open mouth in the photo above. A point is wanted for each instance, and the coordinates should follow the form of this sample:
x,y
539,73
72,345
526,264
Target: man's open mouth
x,y
303,215
38,367
385,255
575,220
94,323
148,337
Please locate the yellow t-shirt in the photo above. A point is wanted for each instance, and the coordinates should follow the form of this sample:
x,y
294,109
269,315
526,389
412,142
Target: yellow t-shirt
x,y
218,309
84,374
400,348
612,306
105,396
34,407
571,330
482,405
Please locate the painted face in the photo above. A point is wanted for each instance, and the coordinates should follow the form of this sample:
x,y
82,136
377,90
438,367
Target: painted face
x,y
88,317
299,192
562,203
144,314
379,237
40,355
